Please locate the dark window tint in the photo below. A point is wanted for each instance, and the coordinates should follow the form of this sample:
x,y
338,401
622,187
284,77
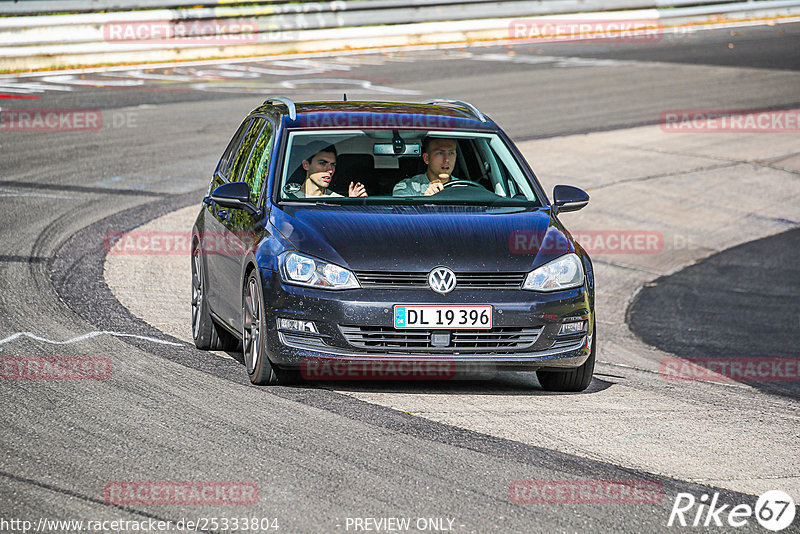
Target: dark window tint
x,y
257,168
243,154
225,163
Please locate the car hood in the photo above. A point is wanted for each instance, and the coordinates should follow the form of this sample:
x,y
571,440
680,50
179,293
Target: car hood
x,y
418,238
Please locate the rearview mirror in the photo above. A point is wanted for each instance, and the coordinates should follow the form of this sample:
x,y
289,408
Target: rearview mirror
x,y
234,195
568,198
389,149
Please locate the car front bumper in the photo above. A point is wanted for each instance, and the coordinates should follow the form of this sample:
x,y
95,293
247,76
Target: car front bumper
x,y
331,311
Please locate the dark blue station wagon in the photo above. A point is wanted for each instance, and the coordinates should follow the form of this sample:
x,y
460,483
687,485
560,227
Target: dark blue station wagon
x,y
354,238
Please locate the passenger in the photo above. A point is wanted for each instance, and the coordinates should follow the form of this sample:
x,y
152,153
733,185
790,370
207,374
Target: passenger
x,y
319,173
440,156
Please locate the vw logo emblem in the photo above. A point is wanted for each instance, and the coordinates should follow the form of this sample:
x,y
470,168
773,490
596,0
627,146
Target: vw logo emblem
x,y
442,280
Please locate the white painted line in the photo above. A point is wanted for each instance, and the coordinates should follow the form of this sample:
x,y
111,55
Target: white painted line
x,y
14,193
13,87
71,80
363,84
84,337
557,61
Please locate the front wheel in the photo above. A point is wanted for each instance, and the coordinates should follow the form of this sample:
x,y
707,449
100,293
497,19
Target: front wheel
x,y
254,331
573,380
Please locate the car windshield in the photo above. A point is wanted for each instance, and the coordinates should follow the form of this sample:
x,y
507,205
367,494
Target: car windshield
x,y
402,167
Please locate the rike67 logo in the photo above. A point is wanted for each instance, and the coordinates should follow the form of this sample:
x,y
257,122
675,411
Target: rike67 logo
x,y
774,510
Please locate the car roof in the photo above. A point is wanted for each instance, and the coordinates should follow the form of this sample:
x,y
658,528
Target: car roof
x,y
449,114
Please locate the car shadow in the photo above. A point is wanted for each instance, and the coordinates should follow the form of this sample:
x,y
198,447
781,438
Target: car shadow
x,y
504,383
498,383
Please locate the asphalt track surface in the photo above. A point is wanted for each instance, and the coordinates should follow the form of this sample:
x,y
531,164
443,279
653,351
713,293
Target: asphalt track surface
x,y
171,413
727,306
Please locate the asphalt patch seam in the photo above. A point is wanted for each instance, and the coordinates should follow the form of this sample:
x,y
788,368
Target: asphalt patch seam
x,y
24,259
85,189
730,163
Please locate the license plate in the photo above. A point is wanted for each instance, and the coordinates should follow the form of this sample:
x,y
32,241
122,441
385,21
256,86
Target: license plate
x,y
442,317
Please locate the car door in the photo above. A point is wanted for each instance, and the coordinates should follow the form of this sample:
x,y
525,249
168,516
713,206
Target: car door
x,y
214,231
250,165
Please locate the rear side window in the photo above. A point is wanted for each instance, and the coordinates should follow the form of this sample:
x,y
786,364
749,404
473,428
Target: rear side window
x,y
224,166
257,168
243,154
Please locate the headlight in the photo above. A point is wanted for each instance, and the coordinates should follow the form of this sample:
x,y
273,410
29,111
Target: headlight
x,y
562,273
304,270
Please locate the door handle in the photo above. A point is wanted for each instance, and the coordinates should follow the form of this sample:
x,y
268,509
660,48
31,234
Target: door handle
x,y
223,214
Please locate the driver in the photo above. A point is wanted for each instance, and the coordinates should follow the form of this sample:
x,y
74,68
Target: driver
x,y
440,156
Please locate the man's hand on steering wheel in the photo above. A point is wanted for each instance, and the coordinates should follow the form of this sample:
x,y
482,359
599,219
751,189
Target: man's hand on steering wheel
x,y
437,186
457,183
434,188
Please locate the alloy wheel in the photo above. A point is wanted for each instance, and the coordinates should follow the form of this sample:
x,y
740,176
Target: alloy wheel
x,y
252,325
197,293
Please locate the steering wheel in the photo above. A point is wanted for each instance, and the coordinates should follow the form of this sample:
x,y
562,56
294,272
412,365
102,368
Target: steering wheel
x,y
457,183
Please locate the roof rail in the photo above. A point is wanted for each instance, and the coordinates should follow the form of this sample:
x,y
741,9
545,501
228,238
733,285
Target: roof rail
x,y
472,109
285,100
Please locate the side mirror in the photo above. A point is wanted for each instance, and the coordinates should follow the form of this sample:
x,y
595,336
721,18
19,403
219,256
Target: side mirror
x,y
234,195
568,198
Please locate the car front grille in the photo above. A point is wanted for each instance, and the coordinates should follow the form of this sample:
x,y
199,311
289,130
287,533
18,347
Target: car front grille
x,y
419,280
387,339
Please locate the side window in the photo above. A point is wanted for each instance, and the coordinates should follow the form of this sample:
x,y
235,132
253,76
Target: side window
x,y
243,154
470,158
224,163
257,168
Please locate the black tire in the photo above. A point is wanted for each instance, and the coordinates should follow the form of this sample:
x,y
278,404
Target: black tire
x,y
206,333
573,380
259,368
203,331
